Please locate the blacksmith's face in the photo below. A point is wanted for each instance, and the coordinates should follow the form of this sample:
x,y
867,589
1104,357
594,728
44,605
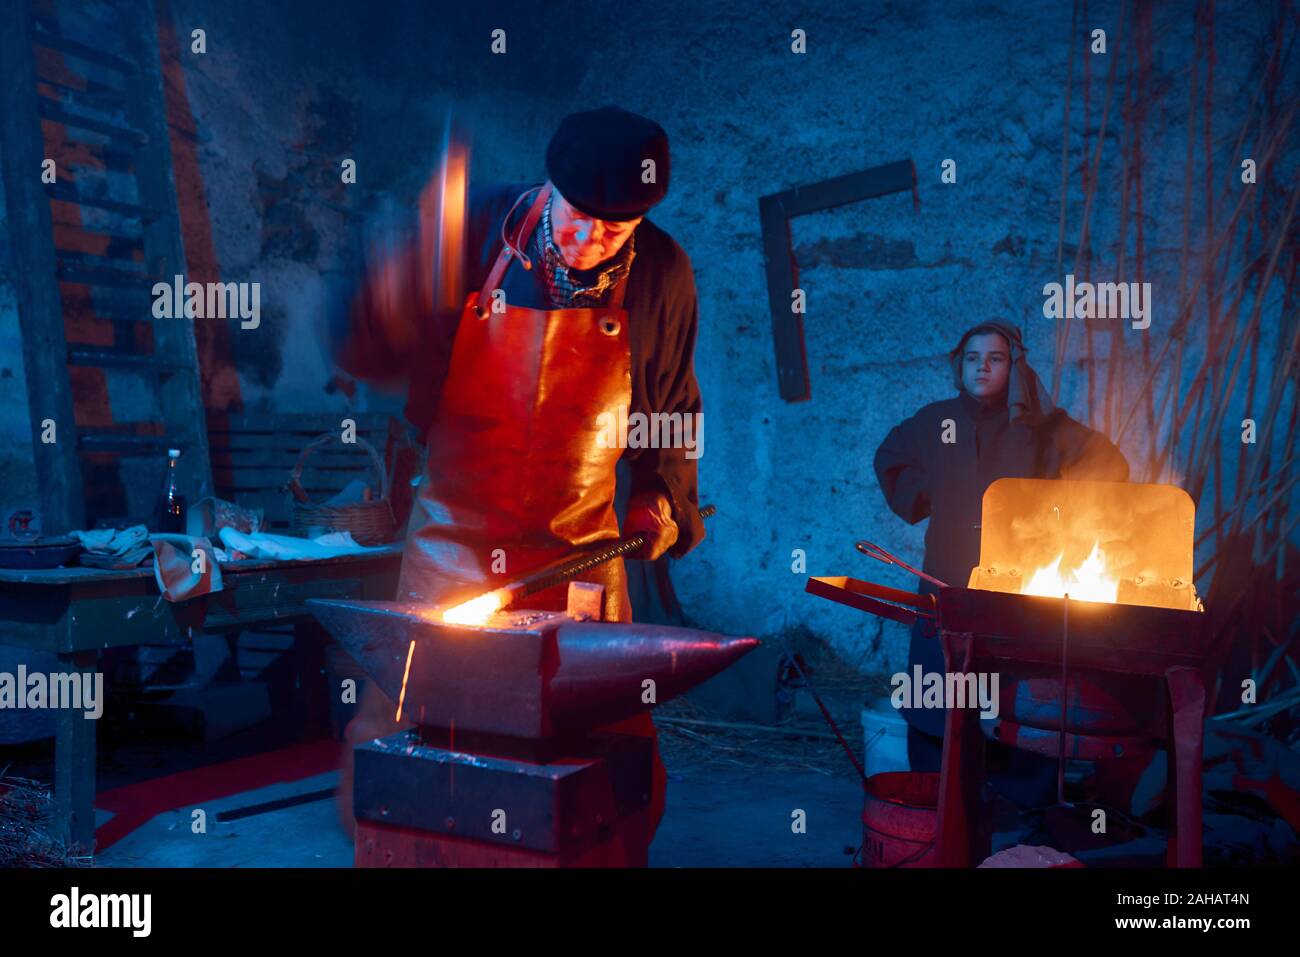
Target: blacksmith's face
x,y
584,241
985,365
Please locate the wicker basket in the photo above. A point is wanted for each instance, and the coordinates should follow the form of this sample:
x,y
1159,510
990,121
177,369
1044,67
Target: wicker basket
x,y
371,523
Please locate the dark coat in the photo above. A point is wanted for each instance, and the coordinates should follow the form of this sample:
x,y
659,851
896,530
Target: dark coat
x,y
924,477
663,316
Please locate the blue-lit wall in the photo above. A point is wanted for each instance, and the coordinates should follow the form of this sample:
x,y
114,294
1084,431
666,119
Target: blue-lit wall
x,y
286,91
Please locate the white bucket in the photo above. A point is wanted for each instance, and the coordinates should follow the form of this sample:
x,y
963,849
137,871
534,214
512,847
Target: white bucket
x,y
884,738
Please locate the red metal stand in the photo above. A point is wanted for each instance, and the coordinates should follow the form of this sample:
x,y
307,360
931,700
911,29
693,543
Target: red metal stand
x,y
964,830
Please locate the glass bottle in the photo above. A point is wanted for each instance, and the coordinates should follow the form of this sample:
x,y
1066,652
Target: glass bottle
x,y
171,503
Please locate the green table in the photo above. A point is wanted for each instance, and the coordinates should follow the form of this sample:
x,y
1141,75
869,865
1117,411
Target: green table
x,y
77,612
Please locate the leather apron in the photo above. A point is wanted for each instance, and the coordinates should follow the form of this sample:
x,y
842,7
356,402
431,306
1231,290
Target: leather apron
x,y
516,465
516,476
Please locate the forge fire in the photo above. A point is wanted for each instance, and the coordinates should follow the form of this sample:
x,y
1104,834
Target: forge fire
x,y
359,359
1127,543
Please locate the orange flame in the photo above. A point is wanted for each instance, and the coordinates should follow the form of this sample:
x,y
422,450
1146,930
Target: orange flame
x,y
1089,582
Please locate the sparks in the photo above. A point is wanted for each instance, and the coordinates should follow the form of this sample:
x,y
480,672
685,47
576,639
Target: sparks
x,y
475,611
401,698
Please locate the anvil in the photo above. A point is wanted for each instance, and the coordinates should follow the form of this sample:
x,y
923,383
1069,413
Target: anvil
x,y
532,675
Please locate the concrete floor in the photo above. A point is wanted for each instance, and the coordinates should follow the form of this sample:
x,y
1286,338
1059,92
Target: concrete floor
x,y
732,818
306,835
714,818
729,804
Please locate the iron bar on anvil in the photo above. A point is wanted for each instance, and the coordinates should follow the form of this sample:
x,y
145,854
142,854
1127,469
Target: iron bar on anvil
x,y
476,609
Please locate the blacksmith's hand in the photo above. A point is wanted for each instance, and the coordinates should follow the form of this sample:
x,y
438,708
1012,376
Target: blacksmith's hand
x,y
650,513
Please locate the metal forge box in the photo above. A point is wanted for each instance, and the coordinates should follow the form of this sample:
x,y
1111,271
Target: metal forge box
x,y
1083,604
506,765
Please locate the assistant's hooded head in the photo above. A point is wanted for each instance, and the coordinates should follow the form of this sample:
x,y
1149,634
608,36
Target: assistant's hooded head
x,y
1026,398
597,159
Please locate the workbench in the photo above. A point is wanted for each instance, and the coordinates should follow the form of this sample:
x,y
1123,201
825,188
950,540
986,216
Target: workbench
x,y
78,612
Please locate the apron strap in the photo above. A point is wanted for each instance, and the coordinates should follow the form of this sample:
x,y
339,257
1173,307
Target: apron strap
x,y
525,233
503,258
616,297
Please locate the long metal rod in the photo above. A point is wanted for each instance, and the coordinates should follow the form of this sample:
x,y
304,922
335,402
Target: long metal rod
x,y
789,653
878,553
567,571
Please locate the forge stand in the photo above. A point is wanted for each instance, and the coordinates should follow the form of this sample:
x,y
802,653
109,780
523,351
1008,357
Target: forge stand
x,y
1175,724
496,802
1136,658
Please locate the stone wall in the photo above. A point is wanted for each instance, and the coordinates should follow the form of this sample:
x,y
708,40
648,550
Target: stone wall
x,y
282,96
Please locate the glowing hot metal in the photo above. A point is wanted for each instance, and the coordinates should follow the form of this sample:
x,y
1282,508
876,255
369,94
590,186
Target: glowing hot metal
x,y
478,610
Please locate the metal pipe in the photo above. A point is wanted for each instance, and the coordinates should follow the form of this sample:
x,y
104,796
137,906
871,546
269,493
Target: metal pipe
x,y
545,578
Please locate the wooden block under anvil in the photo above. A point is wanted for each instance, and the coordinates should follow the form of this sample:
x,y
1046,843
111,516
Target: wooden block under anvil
x,y
419,804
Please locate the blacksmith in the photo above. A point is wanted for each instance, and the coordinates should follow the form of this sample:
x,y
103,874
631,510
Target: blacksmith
x,y
599,317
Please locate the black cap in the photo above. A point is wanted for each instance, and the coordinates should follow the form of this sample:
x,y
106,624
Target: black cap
x,y
596,160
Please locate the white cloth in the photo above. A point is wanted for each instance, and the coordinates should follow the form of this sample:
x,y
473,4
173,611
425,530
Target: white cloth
x,y
290,548
112,541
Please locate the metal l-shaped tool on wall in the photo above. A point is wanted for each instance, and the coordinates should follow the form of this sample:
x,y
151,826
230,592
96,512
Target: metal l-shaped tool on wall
x,y
775,212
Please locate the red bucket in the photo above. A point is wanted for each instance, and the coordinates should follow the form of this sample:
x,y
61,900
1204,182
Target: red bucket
x,y
900,819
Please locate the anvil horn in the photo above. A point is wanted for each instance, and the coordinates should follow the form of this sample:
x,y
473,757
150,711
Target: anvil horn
x,y
605,665
527,674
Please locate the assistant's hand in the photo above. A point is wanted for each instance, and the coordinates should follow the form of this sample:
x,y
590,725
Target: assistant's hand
x,y
650,512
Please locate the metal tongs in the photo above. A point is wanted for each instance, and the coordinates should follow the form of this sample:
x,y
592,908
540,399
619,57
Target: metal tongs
x,y
878,553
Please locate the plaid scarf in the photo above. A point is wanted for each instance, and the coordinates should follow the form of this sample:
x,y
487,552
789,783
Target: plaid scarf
x,y
566,286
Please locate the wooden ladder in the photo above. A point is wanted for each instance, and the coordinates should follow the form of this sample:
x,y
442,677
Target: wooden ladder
x,y
81,84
